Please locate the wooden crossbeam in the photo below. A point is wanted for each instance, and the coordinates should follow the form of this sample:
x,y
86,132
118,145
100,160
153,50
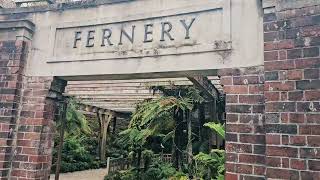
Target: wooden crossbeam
x,y
205,85
95,109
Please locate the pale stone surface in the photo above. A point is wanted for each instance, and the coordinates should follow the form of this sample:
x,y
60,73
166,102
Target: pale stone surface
x,y
238,27
7,4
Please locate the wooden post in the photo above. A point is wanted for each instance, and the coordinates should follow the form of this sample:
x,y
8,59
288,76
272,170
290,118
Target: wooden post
x,y
114,125
105,120
108,165
62,119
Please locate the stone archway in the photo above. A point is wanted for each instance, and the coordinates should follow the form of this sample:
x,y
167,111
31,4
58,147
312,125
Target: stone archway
x,y
272,106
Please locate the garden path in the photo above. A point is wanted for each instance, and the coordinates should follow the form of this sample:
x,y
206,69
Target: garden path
x,y
92,174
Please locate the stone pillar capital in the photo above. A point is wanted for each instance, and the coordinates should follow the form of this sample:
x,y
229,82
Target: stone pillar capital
x,y
16,30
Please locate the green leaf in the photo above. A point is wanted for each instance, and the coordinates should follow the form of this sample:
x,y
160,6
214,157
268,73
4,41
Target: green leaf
x,y
217,127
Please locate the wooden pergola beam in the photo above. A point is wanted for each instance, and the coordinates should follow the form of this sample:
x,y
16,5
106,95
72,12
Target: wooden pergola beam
x,y
205,85
95,109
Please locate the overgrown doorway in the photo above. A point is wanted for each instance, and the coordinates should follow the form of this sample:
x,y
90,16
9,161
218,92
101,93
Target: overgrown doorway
x,y
167,119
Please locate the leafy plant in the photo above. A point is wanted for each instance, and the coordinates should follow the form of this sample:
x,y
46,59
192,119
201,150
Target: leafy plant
x,y
217,127
212,164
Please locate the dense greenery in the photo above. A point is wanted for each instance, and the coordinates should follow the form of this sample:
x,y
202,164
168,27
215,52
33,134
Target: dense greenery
x,y
80,143
167,119
157,171
157,126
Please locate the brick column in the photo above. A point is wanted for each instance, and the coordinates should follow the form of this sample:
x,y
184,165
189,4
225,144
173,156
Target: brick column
x,y
245,138
27,108
292,90
34,141
12,56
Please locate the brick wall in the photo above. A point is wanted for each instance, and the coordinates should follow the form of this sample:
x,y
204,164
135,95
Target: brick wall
x,y
27,108
292,93
245,138
12,57
34,142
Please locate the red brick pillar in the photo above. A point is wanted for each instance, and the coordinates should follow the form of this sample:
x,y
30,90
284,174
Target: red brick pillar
x,y
27,109
292,90
245,138
12,56
34,141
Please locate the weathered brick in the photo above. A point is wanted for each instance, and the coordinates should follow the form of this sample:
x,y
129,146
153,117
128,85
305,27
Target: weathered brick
x,y
251,99
239,128
226,80
313,118
314,165
271,76
311,52
232,157
232,98
297,140
307,63
272,118
259,149
277,173
310,31
313,141
309,129
244,169
239,148
298,164
249,118
269,17
272,96
281,151
310,175
245,80
295,74
280,107
279,86
230,176
272,139
259,170
295,95
252,159
296,118
311,153
232,118
271,56
273,36
308,106
273,161
253,139
240,89
239,108
231,137
281,128
311,74
308,84
279,65
285,162
294,53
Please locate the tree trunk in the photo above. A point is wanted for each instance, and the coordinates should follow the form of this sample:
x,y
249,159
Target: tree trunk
x,y
63,125
189,145
201,117
178,139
